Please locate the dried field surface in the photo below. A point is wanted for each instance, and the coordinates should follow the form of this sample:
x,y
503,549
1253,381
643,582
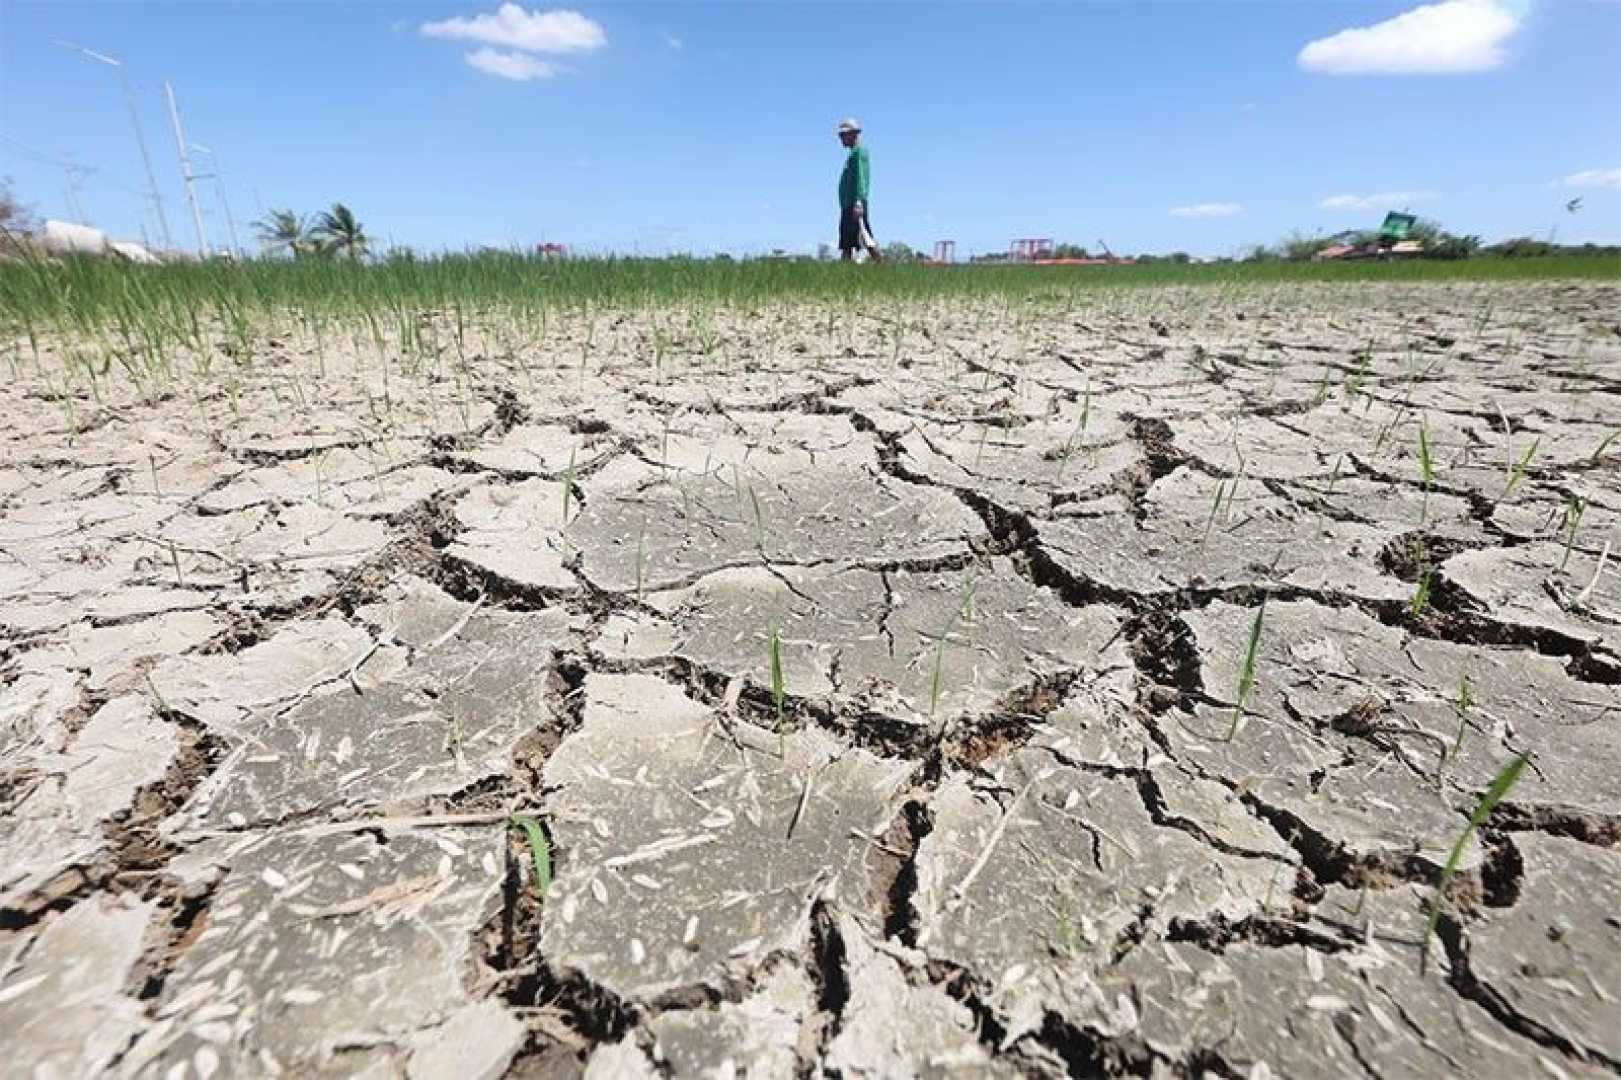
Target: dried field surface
x,y
923,688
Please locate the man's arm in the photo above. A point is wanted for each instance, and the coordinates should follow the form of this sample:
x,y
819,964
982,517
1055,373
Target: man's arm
x,y
863,179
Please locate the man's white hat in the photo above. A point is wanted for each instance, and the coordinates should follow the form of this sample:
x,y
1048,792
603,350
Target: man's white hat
x,y
849,123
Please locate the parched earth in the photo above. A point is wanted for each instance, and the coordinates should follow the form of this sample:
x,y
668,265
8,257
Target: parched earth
x,y
288,640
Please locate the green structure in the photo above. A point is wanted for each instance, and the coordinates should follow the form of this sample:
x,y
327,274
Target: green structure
x,y
1397,226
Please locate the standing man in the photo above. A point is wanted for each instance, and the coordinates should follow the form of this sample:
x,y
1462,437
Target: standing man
x,y
855,219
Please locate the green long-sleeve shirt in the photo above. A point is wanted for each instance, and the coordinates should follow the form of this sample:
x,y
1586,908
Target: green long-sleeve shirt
x,y
856,180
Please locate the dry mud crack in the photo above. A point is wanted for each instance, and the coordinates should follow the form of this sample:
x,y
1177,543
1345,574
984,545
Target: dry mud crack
x,y
873,692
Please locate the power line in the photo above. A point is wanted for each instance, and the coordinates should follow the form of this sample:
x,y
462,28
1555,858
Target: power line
x,y
152,193
43,158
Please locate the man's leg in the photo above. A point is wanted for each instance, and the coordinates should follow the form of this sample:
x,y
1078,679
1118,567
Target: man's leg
x,y
864,233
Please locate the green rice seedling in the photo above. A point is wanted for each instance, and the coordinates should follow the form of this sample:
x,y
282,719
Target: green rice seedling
x,y
1495,794
1232,491
1079,434
1333,481
979,454
1604,444
1465,702
568,484
1421,595
1215,508
1508,442
1069,940
938,675
778,691
1387,429
1322,388
759,522
1575,507
661,344
540,850
969,584
1426,466
1517,473
1358,375
1246,673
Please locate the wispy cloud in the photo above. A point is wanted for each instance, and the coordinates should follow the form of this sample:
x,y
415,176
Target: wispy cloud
x,y
514,27
1208,210
1454,37
517,66
1594,178
1384,200
673,42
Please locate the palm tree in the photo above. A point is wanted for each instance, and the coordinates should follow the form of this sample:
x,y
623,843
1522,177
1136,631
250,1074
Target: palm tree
x,y
283,230
337,230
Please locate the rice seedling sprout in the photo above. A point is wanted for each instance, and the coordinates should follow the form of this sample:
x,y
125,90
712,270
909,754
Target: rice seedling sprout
x,y
1499,789
1246,674
540,851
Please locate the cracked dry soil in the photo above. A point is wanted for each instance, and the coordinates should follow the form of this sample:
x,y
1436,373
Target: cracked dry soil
x,y
281,658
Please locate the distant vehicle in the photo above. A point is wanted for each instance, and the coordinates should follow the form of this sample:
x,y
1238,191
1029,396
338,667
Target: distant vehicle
x,y
1393,242
552,251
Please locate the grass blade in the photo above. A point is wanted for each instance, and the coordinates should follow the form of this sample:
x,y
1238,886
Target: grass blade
x,y
539,849
568,484
1499,788
1246,675
1421,596
1426,465
778,689
1574,509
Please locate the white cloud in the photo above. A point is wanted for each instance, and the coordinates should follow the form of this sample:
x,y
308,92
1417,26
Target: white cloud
x,y
673,42
1384,200
520,67
1454,37
1208,210
512,26
1594,178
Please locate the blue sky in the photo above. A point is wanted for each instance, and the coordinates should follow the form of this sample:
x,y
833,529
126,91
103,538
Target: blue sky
x,y
643,127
